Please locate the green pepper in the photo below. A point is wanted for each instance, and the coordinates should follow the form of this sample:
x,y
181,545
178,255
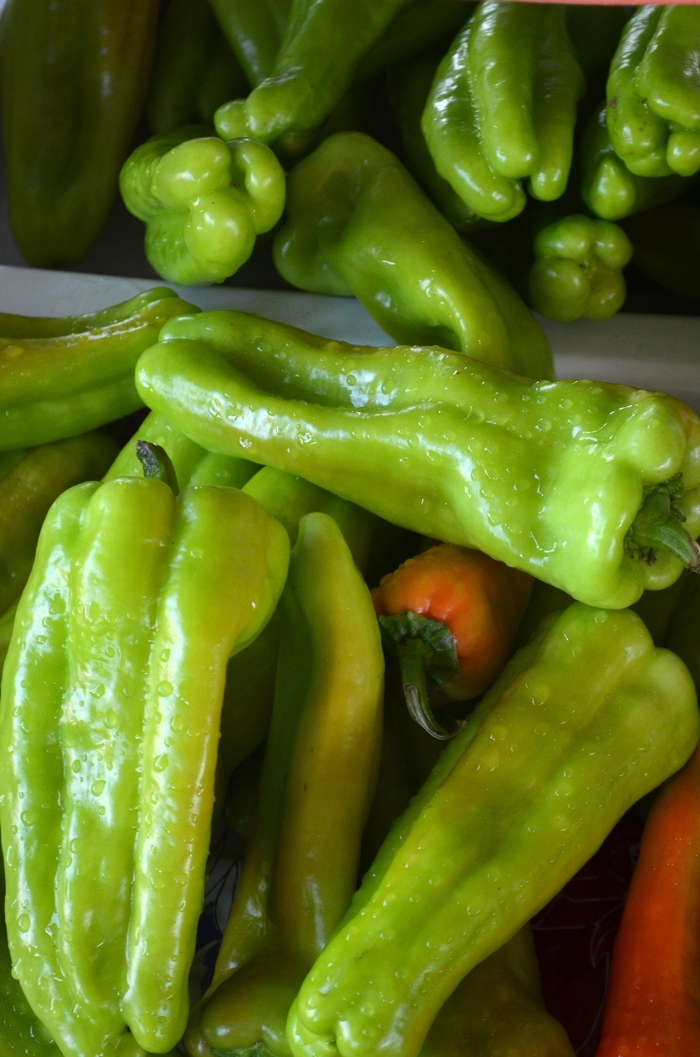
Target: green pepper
x,y
357,223
254,30
666,244
449,447
316,786
118,658
595,31
583,722
502,108
203,202
74,80
62,377
608,187
29,483
324,43
416,26
653,92
194,70
578,269
409,87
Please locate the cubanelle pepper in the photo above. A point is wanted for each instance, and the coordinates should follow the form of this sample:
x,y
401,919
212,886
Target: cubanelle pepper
x,y
575,482
112,692
358,224
582,723
64,376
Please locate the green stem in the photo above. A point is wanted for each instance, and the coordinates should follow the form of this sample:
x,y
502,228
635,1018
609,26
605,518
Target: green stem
x,y
658,524
414,657
156,463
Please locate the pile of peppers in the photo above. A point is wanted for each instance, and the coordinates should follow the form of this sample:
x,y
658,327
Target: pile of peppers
x,y
419,622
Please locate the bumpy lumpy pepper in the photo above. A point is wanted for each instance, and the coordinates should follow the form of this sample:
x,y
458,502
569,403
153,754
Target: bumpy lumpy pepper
x,y
113,686
74,79
62,377
203,201
578,269
569,480
503,107
358,224
653,92
582,723
316,788
194,69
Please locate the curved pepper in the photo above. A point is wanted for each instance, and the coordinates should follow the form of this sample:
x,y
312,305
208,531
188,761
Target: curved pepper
x,y
578,269
475,602
666,244
653,92
203,202
254,30
74,79
323,45
113,686
358,224
651,1005
503,107
448,447
581,724
608,187
62,377
317,783
194,69
28,487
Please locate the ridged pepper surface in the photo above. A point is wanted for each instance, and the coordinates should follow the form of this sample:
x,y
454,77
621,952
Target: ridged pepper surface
x,y
568,480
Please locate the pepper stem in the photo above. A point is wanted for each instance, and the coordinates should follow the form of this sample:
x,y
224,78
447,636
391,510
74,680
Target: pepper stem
x,y
414,657
658,525
156,463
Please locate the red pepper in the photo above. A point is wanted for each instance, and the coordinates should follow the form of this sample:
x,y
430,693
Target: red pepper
x,y
653,1001
450,616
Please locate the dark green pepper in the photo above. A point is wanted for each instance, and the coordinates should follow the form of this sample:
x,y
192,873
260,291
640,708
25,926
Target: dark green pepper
x,y
74,80
357,223
583,722
449,447
301,864
62,377
254,30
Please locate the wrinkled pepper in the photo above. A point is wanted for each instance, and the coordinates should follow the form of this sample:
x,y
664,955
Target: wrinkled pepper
x,y
608,187
194,69
582,723
652,1005
29,483
358,224
449,447
653,92
301,862
578,269
74,80
254,30
62,377
449,617
118,658
324,43
502,108
666,244
203,201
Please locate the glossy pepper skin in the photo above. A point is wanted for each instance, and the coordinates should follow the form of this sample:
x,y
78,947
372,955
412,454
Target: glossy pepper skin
x,y
608,187
653,92
316,787
254,30
29,483
112,691
63,377
578,269
358,224
443,445
324,42
74,80
651,1005
194,69
666,244
502,108
582,723
203,202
